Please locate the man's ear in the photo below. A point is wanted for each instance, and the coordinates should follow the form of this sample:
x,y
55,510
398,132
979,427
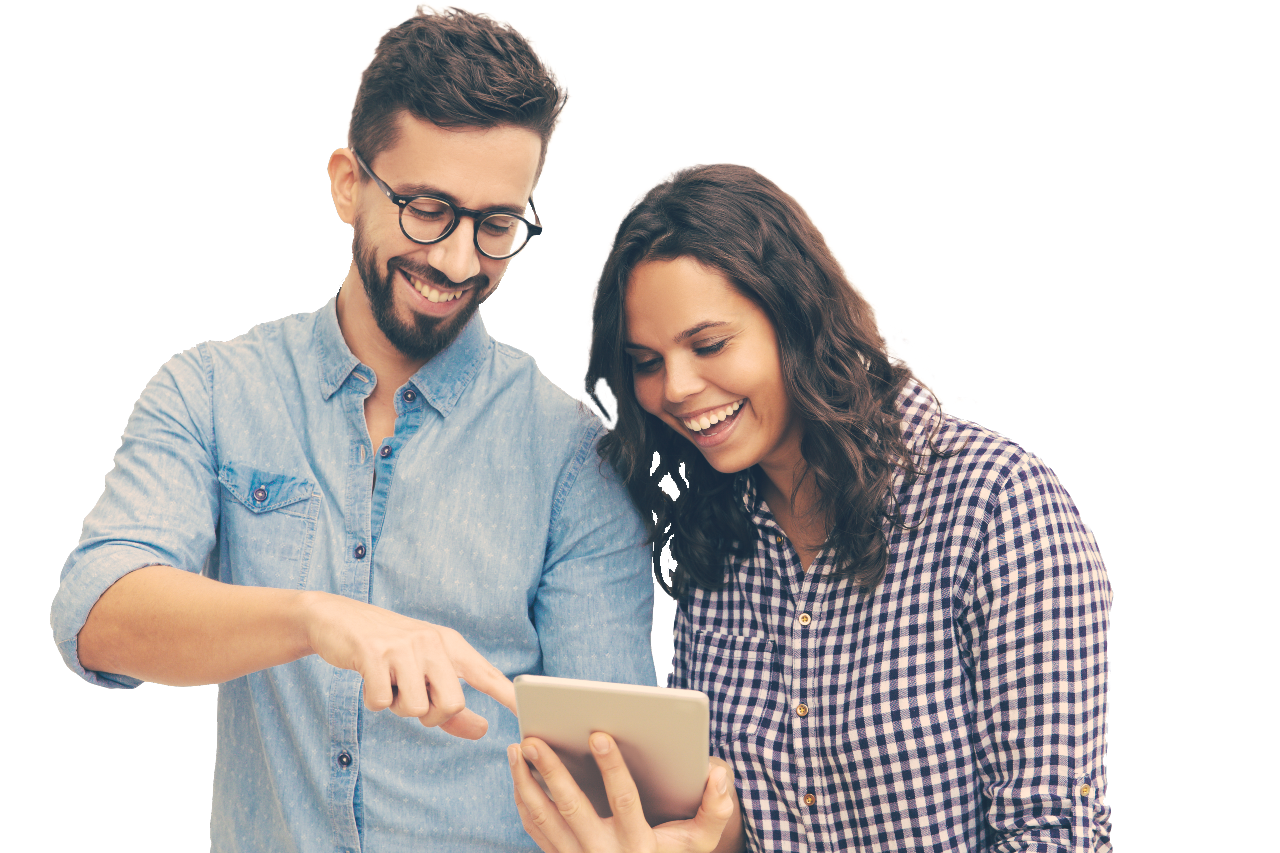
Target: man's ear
x,y
343,183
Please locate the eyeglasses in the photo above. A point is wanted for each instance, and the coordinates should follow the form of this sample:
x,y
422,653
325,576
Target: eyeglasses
x,y
427,219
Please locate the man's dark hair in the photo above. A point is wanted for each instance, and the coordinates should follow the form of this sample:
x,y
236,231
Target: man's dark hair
x,y
835,367
453,69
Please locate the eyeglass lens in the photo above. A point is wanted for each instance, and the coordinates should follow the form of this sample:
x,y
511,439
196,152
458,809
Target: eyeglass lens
x,y
498,234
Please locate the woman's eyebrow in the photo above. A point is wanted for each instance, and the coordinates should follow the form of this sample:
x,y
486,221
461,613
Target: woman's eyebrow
x,y
683,336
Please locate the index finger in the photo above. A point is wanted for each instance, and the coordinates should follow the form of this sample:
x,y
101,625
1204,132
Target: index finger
x,y
476,670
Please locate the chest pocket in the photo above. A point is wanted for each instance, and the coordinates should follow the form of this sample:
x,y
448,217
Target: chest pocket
x,y
268,527
737,674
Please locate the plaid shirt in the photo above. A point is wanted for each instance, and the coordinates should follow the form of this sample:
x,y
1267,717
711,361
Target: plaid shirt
x,y
960,706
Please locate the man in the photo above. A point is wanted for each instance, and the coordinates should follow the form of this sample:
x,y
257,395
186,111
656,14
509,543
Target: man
x,y
374,500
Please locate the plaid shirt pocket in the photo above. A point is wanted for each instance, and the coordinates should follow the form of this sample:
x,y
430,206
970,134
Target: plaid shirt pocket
x,y
737,674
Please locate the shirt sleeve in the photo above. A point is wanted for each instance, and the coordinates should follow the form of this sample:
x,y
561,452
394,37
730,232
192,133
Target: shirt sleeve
x,y
1036,632
159,507
594,606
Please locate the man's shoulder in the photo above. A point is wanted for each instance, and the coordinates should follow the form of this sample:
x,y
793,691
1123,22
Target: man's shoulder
x,y
290,331
518,375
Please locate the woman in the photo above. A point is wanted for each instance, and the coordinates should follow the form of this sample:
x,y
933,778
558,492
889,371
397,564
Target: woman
x,y
898,616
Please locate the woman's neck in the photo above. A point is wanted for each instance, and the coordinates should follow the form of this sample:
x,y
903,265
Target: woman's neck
x,y
795,509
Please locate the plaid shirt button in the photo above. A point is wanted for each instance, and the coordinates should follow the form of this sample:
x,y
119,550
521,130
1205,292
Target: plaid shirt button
x,y
810,799
802,710
805,619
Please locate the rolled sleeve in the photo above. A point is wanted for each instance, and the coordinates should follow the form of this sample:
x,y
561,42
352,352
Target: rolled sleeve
x,y
159,507
596,581
1039,625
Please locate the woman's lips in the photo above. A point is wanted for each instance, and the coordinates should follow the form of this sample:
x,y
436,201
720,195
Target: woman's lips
x,y
720,431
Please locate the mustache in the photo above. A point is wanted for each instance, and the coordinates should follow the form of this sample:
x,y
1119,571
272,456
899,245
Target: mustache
x,y
434,277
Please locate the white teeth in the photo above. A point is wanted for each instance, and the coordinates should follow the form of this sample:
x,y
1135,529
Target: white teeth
x,y
431,293
713,417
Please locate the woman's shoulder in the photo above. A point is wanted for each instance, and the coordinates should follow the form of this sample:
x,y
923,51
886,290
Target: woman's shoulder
x,y
958,454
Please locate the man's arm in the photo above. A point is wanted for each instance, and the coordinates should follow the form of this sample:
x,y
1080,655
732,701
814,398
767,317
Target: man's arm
x,y
132,602
173,627
594,607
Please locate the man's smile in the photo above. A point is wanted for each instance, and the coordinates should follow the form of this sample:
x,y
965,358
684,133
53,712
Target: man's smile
x,y
430,292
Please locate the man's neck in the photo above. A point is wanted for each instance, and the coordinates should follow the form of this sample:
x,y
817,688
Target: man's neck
x,y
366,341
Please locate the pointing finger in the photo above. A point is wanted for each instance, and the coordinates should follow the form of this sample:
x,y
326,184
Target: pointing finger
x,y
476,670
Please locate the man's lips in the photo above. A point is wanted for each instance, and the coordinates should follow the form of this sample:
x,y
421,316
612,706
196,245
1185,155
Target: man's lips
x,y
431,292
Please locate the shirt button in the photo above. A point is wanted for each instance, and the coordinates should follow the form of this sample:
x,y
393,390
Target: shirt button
x,y
344,758
385,451
802,710
778,539
810,799
805,618
409,395
260,494
1084,790
359,552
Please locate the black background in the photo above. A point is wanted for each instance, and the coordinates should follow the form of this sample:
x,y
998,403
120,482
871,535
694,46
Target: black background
x,y
959,176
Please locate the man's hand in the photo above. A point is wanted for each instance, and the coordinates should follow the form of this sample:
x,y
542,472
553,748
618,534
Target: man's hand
x,y
409,666
168,626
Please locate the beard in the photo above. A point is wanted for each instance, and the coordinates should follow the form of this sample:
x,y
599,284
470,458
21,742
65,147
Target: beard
x,y
423,337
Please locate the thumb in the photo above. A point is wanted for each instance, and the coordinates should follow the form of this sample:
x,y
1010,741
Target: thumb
x,y
715,810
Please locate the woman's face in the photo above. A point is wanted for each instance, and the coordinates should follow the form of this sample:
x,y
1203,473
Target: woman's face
x,y
705,360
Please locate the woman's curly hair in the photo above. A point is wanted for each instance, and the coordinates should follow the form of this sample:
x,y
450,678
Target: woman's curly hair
x,y
835,370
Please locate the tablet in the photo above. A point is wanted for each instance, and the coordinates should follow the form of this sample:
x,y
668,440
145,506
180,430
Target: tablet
x,y
661,732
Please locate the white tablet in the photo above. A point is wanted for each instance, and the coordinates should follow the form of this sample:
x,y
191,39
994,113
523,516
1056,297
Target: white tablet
x,y
661,732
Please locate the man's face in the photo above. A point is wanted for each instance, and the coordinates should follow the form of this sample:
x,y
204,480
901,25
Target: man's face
x,y
422,295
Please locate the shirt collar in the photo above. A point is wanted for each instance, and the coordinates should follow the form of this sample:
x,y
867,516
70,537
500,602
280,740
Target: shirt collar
x,y
336,358
441,380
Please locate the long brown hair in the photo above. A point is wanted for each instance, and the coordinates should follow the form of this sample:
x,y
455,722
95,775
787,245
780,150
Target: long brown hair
x,y
835,369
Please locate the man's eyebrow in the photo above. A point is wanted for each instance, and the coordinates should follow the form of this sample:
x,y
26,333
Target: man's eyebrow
x,y
436,192
683,336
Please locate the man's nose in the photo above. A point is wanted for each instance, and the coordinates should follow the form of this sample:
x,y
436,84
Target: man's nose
x,y
456,256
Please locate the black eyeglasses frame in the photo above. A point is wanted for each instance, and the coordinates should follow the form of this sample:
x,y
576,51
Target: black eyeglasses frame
x,y
477,216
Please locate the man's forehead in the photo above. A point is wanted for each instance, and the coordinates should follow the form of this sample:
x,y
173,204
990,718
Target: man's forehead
x,y
474,166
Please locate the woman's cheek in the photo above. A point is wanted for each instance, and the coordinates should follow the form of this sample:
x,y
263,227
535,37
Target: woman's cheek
x,y
647,391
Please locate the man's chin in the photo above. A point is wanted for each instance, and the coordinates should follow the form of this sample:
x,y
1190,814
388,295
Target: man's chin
x,y
423,337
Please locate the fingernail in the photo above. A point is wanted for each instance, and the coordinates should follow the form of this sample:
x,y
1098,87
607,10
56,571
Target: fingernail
x,y
599,743
529,752
724,782
512,752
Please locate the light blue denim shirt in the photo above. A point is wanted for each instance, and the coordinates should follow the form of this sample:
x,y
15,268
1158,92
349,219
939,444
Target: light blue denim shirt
x,y
490,513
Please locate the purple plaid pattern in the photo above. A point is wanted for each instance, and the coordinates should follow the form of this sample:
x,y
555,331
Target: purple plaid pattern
x,y
961,706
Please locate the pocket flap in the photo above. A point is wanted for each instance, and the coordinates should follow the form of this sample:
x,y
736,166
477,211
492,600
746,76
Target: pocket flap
x,y
262,491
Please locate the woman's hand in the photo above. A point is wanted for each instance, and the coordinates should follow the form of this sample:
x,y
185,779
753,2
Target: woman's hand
x,y
571,825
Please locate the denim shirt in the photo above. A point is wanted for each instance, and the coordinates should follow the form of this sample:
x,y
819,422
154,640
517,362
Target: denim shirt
x,y
488,510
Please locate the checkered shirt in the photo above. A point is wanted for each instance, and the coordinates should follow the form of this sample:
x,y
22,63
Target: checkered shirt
x,y
958,707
